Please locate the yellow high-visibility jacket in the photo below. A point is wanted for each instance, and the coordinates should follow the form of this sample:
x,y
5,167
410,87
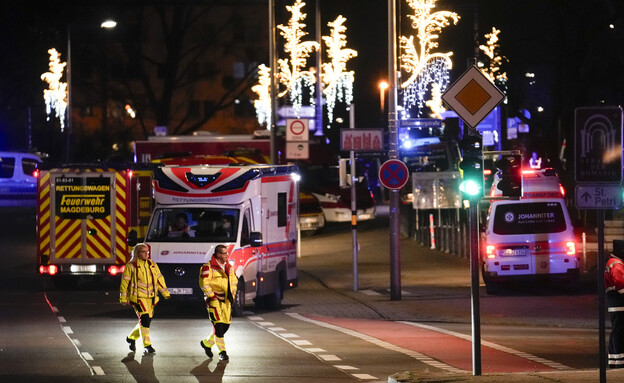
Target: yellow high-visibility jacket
x,y
142,279
219,286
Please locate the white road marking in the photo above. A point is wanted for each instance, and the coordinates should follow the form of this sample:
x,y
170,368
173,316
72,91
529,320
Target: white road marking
x,y
302,342
369,292
61,319
266,324
315,350
87,356
345,367
329,358
68,331
289,335
364,376
98,370
277,329
254,318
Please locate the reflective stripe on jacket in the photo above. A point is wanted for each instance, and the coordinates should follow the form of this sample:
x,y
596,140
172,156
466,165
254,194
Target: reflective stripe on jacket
x,y
138,281
215,281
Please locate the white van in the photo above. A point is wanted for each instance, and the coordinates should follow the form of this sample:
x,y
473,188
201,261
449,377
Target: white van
x,y
18,179
532,237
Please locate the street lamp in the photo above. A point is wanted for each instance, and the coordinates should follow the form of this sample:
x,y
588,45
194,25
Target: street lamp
x,y
383,86
107,24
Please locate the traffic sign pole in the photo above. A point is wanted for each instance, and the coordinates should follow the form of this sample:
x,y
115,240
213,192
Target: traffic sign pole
x,y
472,96
393,138
473,229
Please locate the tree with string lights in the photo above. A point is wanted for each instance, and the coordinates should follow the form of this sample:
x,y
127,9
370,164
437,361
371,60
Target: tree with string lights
x,y
492,69
338,81
56,95
423,65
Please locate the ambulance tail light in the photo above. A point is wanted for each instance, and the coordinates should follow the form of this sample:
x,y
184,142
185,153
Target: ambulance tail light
x,y
489,251
130,173
487,172
562,190
570,248
35,173
51,269
115,269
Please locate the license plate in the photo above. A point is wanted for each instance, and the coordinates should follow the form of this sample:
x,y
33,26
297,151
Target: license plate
x,y
83,268
515,253
181,290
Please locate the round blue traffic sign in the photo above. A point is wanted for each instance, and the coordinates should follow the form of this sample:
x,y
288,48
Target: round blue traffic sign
x,y
393,174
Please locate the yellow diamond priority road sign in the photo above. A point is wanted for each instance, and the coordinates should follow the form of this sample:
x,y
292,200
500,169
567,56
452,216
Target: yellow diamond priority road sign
x,y
472,96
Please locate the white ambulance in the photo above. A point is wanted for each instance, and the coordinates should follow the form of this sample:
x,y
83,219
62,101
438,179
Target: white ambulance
x,y
251,209
532,237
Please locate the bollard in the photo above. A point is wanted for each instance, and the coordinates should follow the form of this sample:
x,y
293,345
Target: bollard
x,y
432,232
584,252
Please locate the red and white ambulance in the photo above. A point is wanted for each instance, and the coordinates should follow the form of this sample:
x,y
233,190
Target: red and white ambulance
x,y
251,209
532,237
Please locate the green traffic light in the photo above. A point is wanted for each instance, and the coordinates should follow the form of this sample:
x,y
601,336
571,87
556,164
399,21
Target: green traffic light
x,y
470,187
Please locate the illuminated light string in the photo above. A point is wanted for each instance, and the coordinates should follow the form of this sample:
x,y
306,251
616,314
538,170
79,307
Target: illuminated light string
x,y
424,66
493,71
55,96
263,90
338,82
435,72
291,73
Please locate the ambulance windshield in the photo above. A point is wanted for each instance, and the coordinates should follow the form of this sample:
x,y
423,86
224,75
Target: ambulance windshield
x,y
193,225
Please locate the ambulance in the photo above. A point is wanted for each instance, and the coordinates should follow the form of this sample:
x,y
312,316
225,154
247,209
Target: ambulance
x,y
86,214
530,238
251,209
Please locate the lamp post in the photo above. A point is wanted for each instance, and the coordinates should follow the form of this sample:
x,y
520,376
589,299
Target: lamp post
x,y
107,24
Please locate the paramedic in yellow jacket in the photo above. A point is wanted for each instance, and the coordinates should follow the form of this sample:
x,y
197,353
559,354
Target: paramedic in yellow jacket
x,y
140,284
218,282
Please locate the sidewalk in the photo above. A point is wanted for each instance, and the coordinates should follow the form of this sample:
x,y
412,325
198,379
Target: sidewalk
x,y
577,376
417,263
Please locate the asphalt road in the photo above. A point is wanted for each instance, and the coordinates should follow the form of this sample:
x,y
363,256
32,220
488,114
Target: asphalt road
x,y
325,331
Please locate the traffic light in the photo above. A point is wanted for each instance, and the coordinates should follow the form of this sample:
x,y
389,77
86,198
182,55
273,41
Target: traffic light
x,y
510,175
472,167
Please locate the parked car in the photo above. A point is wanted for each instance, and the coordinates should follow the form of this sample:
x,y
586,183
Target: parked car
x,y
18,179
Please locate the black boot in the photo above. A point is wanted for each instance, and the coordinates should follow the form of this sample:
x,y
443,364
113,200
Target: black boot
x,y
149,350
132,343
223,355
207,349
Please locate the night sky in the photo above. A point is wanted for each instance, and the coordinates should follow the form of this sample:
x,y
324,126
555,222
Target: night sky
x,y
578,59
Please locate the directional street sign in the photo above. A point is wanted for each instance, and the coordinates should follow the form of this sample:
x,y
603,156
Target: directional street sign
x,y
473,96
393,174
598,196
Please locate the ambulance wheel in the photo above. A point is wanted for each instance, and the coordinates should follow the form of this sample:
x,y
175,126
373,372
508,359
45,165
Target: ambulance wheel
x,y
274,301
239,300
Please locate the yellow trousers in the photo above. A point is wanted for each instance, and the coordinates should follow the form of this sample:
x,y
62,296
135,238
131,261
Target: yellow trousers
x,y
145,311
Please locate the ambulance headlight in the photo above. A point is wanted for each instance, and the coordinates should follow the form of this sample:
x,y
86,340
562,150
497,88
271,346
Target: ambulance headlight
x,y
296,177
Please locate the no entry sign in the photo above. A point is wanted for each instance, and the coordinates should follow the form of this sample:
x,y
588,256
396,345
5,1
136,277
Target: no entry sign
x,y
393,174
297,129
